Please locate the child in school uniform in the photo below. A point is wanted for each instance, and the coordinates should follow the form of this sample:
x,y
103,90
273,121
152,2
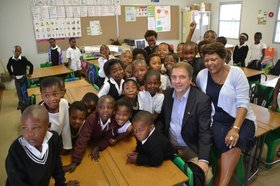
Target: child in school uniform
x,y
257,50
126,58
152,147
77,117
151,38
163,50
58,110
99,127
104,57
155,64
54,53
113,86
34,157
130,92
139,53
90,100
151,99
17,69
139,70
74,56
169,60
122,117
241,50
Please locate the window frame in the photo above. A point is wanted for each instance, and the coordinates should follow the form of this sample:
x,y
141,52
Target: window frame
x,y
219,20
275,25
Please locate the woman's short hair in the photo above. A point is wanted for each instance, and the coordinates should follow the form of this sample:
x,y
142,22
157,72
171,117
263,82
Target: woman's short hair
x,y
215,47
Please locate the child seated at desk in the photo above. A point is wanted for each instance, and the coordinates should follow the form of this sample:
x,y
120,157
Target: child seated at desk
x,y
90,100
74,56
152,146
34,157
122,117
130,92
54,53
104,57
58,110
99,127
77,117
113,86
139,70
151,99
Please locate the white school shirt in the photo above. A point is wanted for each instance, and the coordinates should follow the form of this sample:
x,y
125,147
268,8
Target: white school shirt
x,y
149,103
233,94
74,55
106,87
60,123
256,51
101,62
124,127
165,82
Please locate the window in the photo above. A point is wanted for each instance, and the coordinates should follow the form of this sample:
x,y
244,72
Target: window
x,y
229,20
277,28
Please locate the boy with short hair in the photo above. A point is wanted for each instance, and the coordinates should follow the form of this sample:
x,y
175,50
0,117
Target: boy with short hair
x,y
54,53
58,110
139,70
74,56
151,38
34,157
152,146
90,100
17,70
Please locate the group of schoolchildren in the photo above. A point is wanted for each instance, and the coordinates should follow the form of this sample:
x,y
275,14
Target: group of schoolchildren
x,y
129,101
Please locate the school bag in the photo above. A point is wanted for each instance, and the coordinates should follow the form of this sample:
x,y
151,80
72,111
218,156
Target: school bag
x,y
276,69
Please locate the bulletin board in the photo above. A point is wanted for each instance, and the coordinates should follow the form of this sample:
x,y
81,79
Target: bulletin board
x,y
127,30
136,30
109,30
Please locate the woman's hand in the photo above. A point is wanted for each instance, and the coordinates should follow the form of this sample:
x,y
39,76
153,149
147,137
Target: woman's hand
x,y
231,138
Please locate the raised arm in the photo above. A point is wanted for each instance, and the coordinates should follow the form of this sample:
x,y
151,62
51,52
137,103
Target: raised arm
x,y
192,29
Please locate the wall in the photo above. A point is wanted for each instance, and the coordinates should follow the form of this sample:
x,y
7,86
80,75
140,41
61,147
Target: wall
x,y
249,20
17,28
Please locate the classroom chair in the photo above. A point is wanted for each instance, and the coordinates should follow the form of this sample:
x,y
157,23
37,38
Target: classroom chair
x,y
47,64
179,162
261,95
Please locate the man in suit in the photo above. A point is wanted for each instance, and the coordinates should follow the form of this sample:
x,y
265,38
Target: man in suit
x,y
186,117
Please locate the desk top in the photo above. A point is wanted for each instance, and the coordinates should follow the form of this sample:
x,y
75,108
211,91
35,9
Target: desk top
x,y
251,72
130,174
77,83
266,116
93,62
77,93
49,71
261,130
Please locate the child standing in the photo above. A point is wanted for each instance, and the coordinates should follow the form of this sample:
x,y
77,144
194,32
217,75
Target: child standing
x,y
150,99
104,57
74,55
257,52
151,38
163,50
155,63
90,100
34,157
113,86
77,117
17,69
152,146
99,127
126,58
122,117
54,53
139,70
57,108
210,35
130,91
241,50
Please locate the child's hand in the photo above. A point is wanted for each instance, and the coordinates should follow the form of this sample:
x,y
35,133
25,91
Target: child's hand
x,y
94,153
131,157
193,25
112,141
69,168
73,183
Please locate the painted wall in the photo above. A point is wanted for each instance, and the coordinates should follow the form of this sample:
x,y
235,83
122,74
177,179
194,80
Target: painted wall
x,y
249,23
17,27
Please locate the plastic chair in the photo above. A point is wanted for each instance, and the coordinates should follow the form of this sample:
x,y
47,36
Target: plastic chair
x,y
269,56
179,162
261,95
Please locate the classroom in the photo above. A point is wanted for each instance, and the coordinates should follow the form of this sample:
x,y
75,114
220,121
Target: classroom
x,y
18,28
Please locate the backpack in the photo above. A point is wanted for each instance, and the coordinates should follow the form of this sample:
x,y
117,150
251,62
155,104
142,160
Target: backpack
x,y
276,69
261,95
92,74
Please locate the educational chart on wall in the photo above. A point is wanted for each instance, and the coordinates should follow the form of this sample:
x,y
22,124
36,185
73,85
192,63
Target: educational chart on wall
x,y
162,15
62,18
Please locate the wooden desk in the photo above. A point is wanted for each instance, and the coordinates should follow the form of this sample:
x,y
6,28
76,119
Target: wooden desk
x,y
266,116
77,83
251,72
130,174
94,62
77,93
271,83
50,71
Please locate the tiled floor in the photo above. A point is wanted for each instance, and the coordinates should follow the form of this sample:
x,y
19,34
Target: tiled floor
x,y
9,123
